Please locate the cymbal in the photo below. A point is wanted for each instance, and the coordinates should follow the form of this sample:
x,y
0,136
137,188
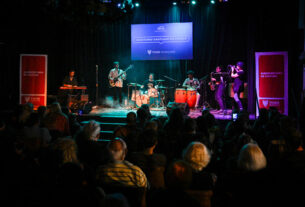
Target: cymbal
x,y
162,87
160,80
134,84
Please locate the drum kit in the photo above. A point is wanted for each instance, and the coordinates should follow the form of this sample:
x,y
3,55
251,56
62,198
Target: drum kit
x,y
154,96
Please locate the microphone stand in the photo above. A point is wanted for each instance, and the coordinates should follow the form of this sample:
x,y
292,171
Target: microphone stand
x,y
96,85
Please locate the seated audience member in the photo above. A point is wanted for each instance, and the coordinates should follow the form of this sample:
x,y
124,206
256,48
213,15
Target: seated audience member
x,y
90,151
198,157
249,183
131,125
178,180
152,164
67,148
142,117
56,121
33,129
119,172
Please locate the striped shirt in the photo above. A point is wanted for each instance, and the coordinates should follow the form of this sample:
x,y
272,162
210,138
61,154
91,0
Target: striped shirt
x,y
121,173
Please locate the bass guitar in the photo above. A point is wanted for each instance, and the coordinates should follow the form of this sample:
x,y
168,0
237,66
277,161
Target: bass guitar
x,y
116,79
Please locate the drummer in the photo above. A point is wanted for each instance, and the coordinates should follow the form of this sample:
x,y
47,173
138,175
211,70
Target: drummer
x,y
150,83
192,83
150,87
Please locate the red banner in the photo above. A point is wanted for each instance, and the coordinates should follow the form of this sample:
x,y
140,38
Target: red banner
x,y
33,79
272,80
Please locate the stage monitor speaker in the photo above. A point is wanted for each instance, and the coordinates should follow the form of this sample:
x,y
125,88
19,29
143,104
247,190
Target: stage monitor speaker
x,y
183,106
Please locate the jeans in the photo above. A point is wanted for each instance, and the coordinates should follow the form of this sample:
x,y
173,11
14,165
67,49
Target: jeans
x,y
219,95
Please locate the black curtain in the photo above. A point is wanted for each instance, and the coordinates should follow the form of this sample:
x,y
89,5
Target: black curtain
x,y
74,38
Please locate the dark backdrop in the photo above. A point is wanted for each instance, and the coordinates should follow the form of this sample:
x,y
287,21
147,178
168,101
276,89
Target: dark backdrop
x,y
74,34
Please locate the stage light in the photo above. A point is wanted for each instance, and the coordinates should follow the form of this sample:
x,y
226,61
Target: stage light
x,y
119,5
174,3
194,2
137,4
212,2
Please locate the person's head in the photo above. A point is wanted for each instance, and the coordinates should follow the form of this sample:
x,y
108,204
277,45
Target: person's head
x,y
131,118
117,149
92,130
149,139
151,124
151,76
71,73
116,64
68,148
55,108
142,114
240,65
218,69
34,119
197,155
41,110
251,158
179,175
190,74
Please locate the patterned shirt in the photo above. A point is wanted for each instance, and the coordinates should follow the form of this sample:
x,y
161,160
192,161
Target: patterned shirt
x,y
194,83
114,74
121,173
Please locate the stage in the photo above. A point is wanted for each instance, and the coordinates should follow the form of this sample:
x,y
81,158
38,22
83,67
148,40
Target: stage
x,y
121,112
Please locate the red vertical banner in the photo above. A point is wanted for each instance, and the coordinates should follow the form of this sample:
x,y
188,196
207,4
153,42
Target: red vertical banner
x,y
33,79
272,80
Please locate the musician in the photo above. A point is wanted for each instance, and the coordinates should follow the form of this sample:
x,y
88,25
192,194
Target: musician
x,y
192,83
70,80
150,83
218,80
237,73
116,77
150,88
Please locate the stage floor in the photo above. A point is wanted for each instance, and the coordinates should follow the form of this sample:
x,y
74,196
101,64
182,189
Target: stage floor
x,y
158,112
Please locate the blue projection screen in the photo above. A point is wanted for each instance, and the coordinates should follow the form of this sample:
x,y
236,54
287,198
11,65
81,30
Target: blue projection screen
x,y
167,41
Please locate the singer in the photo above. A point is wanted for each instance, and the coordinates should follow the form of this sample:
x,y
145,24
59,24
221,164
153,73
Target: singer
x,y
237,73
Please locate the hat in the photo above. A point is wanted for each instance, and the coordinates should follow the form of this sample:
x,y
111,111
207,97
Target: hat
x,y
190,72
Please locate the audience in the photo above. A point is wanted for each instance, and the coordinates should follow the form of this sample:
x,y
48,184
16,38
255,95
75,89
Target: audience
x,y
245,162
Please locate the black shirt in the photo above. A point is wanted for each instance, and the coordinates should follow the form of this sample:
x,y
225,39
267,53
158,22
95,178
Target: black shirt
x,y
68,81
148,82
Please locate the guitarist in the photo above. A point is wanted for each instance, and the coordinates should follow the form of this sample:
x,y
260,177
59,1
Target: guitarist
x,y
218,80
116,77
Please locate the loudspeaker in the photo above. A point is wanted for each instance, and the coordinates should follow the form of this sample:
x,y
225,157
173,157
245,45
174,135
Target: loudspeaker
x,y
184,107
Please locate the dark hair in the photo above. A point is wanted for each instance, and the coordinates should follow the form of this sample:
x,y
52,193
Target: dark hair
x,y
190,72
149,138
240,64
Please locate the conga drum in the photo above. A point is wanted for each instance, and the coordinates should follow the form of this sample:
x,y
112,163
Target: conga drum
x,y
180,95
191,97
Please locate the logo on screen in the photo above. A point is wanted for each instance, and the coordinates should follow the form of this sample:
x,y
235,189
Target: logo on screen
x,y
27,99
149,52
265,103
160,28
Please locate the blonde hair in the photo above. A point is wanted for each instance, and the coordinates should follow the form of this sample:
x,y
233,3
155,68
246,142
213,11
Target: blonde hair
x,y
68,148
92,130
197,155
251,158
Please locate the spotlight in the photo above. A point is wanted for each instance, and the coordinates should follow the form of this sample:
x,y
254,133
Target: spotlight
x,y
119,5
212,1
174,3
137,4
194,2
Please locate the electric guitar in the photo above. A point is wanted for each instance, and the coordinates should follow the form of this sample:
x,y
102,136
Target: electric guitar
x,y
113,82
